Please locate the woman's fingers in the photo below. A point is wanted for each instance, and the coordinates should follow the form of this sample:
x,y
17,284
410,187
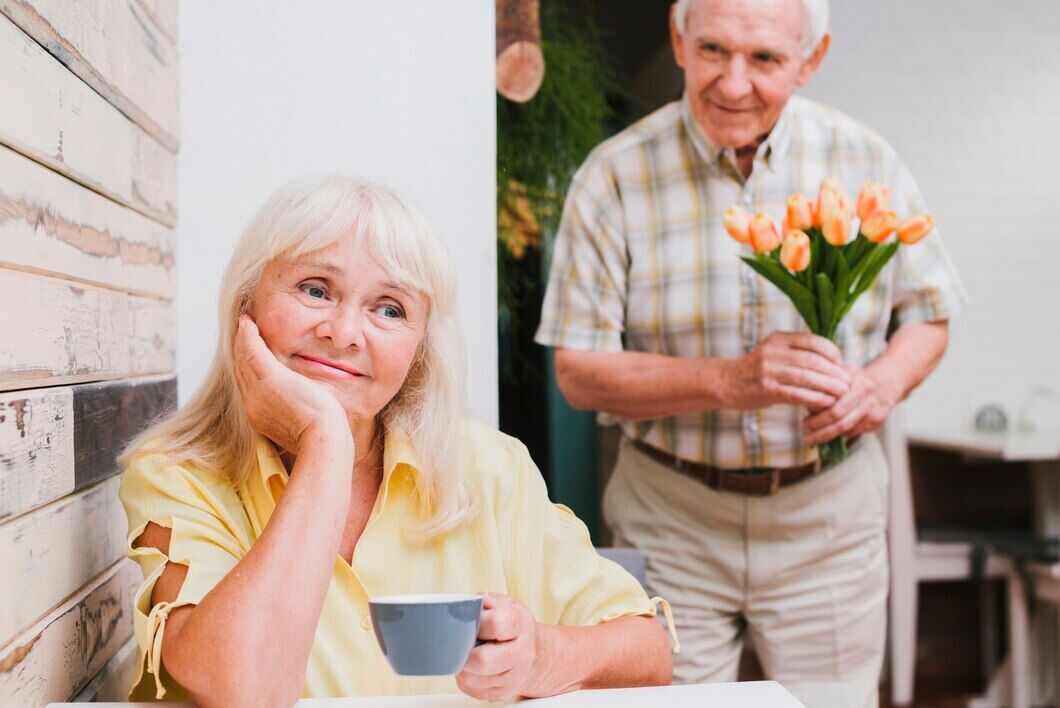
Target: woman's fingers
x,y
501,687
498,625
492,658
256,355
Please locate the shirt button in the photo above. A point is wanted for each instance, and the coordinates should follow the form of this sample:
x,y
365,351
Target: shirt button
x,y
366,622
747,199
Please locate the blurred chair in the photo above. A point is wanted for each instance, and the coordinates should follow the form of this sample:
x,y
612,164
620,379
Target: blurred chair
x,y
1044,580
930,555
632,560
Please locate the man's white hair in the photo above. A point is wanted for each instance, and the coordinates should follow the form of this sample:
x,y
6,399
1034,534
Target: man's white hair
x,y
814,23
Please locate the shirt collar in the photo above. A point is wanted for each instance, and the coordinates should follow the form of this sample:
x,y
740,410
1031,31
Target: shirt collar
x,y
399,455
774,147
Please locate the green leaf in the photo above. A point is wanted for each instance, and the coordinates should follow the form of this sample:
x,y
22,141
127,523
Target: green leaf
x,y
866,272
876,261
858,249
842,287
825,302
842,277
815,258
828,254
802,298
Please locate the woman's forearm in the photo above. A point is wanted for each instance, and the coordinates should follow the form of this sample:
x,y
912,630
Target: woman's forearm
x,y
625,652
248,641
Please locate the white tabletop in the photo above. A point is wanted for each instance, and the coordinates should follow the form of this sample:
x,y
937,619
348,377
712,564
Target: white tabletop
x,y
748,694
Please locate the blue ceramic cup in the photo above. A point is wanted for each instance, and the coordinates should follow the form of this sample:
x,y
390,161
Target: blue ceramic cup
x,y
426,635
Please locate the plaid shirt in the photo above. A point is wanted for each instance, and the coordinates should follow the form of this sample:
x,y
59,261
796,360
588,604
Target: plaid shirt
x,y
643,262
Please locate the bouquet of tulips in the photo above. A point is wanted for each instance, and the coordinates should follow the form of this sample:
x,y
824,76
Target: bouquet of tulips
x,y
816,264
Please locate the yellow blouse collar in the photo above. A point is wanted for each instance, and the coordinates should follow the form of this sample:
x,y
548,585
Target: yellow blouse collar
x,y
398,453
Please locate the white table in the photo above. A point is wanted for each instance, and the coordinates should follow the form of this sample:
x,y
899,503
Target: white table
x,y
1042,451
750,694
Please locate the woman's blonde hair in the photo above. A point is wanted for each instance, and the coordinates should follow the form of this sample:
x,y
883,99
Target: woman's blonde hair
x,y
302,216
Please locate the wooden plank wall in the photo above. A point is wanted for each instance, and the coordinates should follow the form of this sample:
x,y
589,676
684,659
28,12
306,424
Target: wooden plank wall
x,y
89,131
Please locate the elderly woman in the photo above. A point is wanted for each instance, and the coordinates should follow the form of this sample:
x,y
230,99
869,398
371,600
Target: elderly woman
x,y
327,460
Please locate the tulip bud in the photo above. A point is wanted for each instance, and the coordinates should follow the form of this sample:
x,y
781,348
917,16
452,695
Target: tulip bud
x,y
915,228
795,251
799,216
834,220
879,225
832,184
765,236
873,198
737,223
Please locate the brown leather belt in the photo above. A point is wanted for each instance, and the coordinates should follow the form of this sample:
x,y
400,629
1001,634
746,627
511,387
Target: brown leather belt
x,y
752,481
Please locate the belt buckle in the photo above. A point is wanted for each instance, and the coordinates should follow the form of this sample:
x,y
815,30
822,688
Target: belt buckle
x,y
774,480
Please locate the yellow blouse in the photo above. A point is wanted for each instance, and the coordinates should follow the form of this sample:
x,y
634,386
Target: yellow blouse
x,y
518,543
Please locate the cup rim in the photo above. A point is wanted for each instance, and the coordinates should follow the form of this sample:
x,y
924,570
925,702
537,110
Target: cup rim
x,y
423,599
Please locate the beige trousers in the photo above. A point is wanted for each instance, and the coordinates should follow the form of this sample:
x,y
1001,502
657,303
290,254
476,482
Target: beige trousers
x,y
803,572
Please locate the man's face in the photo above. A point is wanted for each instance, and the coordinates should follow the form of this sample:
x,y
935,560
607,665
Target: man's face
x,y
741,62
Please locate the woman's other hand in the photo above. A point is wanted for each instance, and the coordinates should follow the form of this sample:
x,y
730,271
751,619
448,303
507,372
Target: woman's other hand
x,y
281,404
502,667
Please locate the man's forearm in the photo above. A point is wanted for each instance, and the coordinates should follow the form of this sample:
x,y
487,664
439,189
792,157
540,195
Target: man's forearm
x,y
643,386
621,653
912,353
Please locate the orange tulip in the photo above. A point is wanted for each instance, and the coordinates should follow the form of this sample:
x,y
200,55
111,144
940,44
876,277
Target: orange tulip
x,y
879,225
834,221
737,223
765,236
795,251
799,215
834,186
873,198
915,228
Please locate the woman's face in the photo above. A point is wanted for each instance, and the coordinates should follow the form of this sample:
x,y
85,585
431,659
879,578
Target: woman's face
x,y
334,316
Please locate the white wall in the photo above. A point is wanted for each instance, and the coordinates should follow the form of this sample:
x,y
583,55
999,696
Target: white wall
x,y
973,106
400,91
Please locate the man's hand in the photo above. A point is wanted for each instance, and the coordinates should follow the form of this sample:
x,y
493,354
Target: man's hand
x,y
800,369
501,668
861,410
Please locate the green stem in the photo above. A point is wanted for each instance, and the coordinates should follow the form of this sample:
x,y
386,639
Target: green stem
x,y
833,452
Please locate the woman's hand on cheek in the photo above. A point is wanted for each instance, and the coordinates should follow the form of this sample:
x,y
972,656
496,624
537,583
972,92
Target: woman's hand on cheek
x,y
281,404
502,667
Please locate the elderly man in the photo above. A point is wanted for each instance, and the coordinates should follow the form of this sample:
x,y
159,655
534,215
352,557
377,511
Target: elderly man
x,y
721,394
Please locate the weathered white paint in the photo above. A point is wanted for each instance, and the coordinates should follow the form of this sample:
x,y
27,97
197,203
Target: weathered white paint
x,y
153,190
39,428
36,448
401,92
55,332
59,121
57,656
116,48
53,551
54,225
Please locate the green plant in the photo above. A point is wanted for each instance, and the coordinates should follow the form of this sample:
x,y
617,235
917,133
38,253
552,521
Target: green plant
x,y
540,144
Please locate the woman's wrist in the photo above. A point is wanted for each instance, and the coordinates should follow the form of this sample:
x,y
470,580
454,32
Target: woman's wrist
x,y
552,672
327,435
